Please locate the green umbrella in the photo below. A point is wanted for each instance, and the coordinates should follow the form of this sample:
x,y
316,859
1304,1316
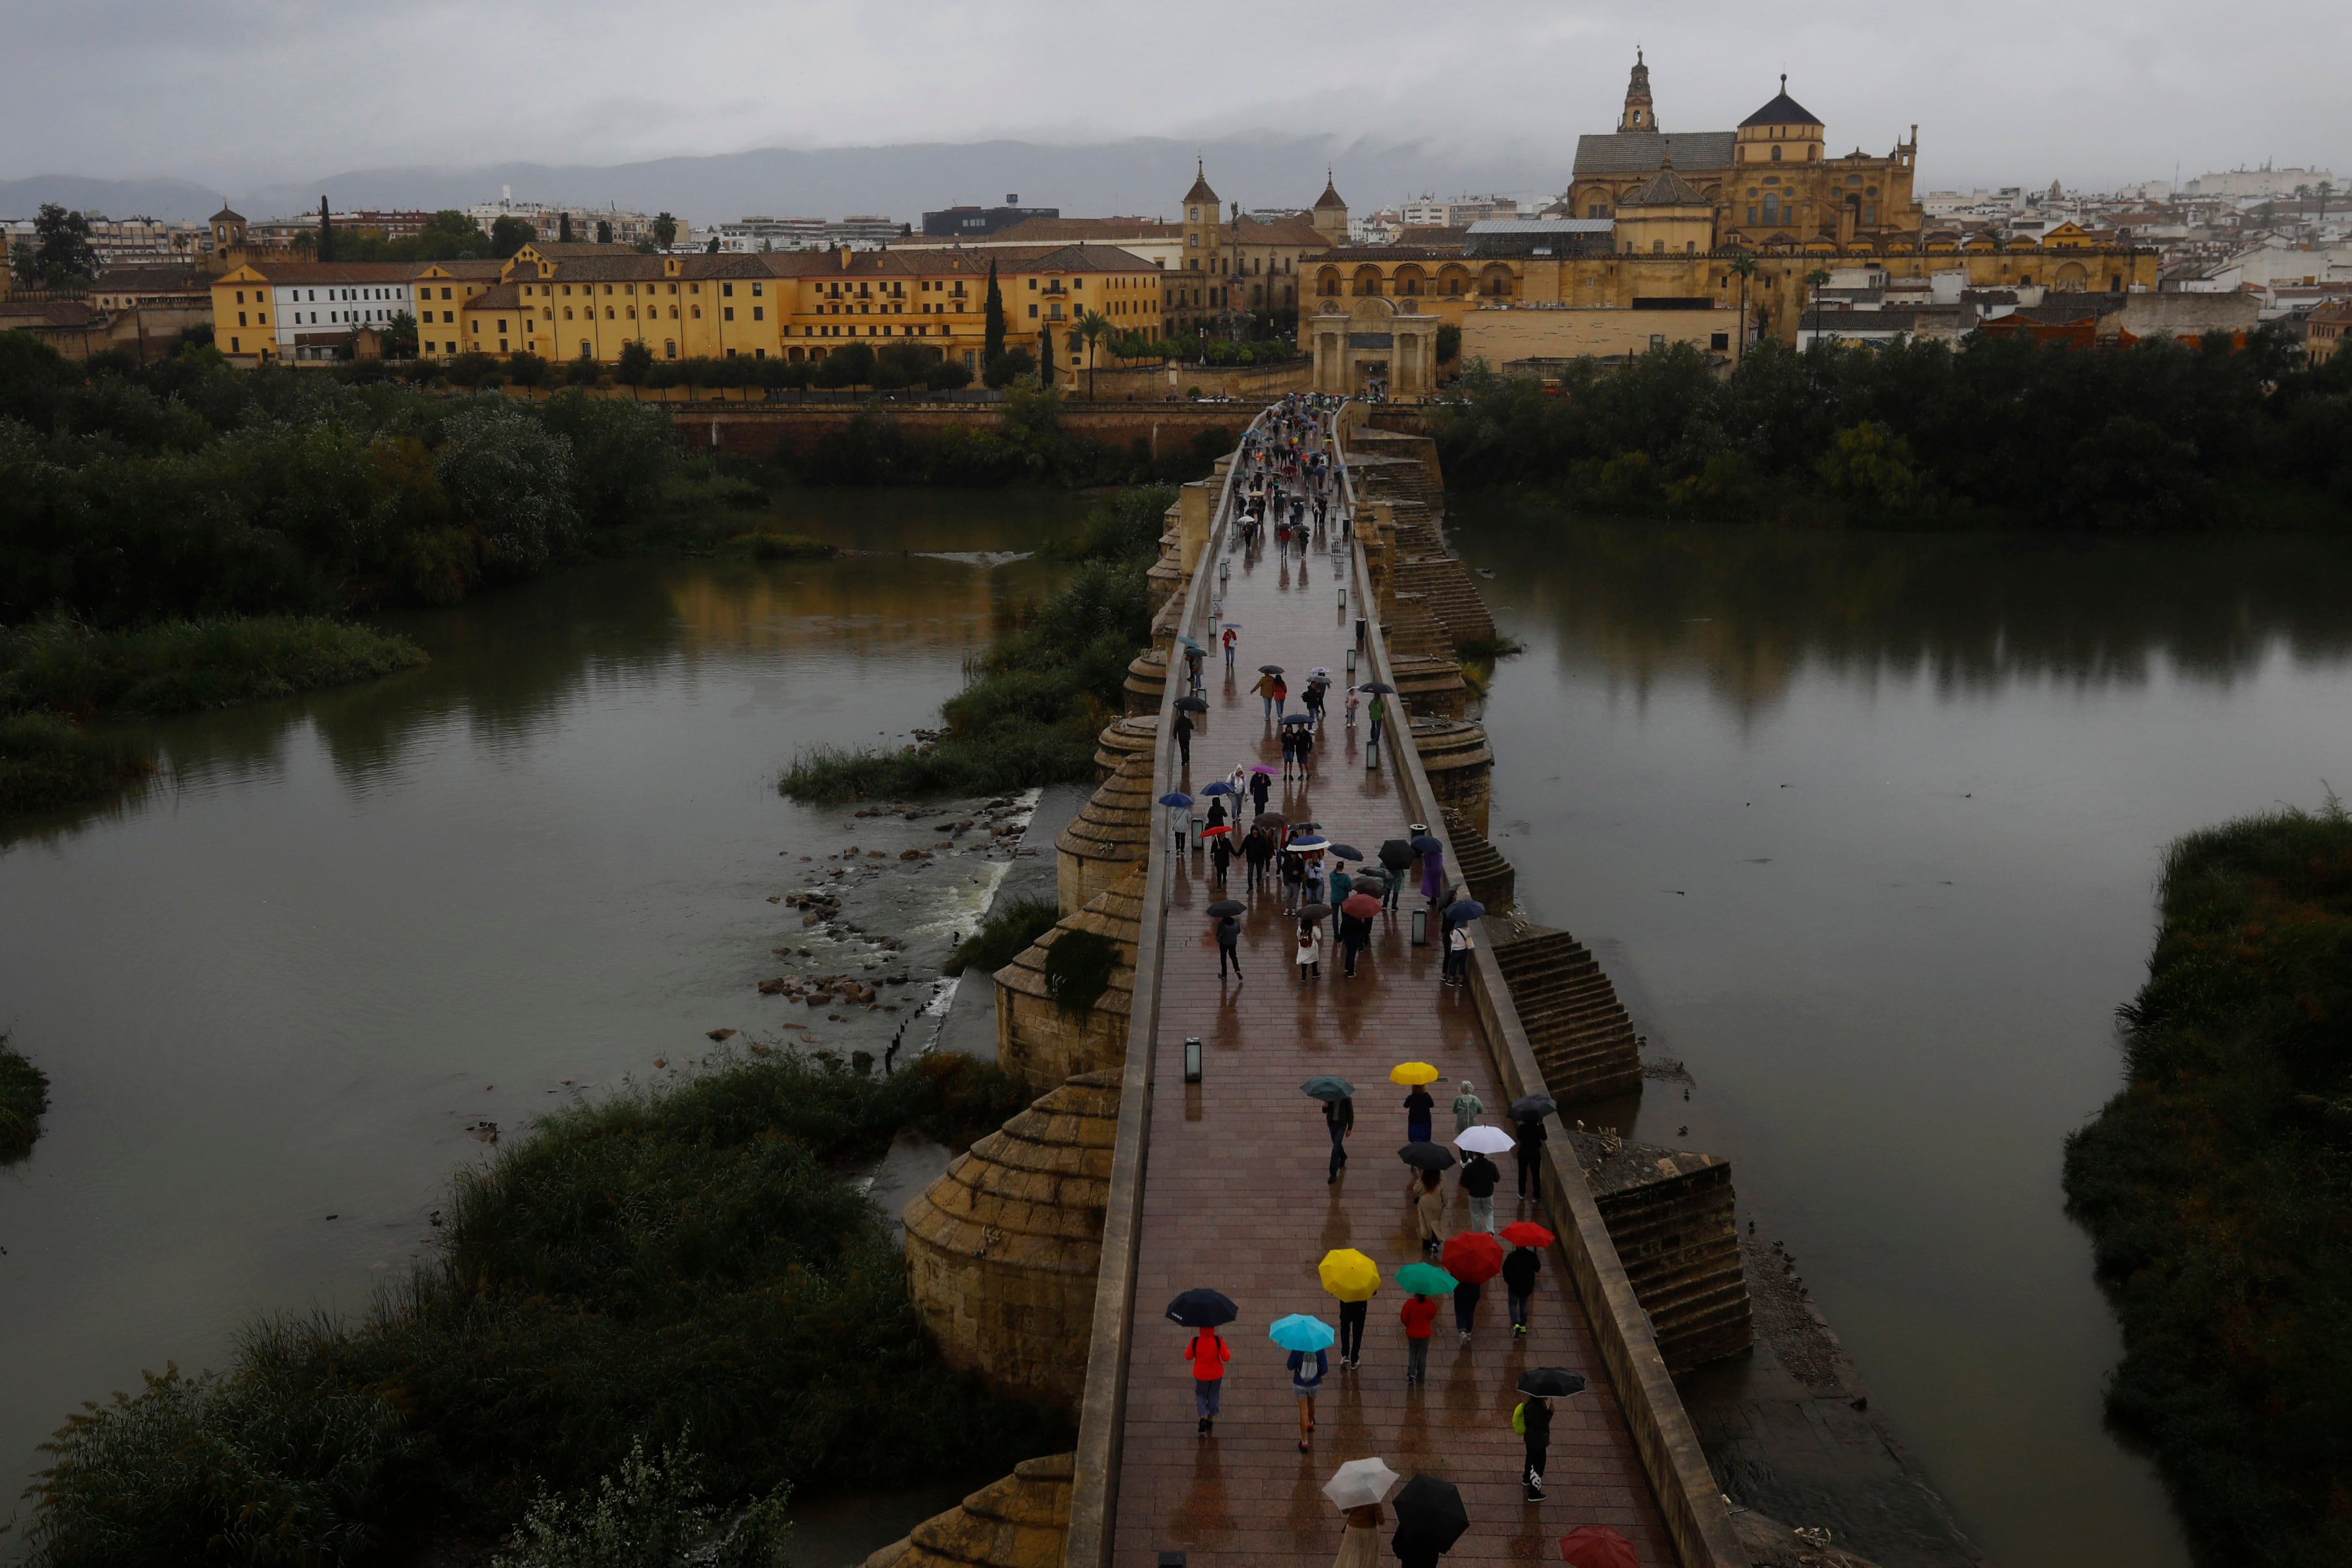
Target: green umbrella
x,y
1425,1279
1327,1088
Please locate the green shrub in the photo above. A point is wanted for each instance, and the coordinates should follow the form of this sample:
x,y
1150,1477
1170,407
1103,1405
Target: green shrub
x,y
649,1513
46,763
684,1260
179,667
1078,968
2216,1187
767,546
1011,926
24,1095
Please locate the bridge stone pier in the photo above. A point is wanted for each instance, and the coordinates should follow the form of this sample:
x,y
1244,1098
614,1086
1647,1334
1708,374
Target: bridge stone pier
x,y
1046,1257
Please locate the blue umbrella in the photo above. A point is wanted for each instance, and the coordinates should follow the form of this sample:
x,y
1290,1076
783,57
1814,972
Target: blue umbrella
x,y
1175,797
1201,1308
1346,852
1426,843
1461,910
1300,1332
1306,842
1220,787
1188,642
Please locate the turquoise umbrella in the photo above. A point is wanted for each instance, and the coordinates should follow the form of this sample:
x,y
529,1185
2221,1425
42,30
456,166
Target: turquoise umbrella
x,y
1300,1332
1426,1279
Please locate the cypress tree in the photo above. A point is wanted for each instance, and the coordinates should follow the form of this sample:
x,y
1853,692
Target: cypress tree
x,y
992,321
326,233
1046,357
563,229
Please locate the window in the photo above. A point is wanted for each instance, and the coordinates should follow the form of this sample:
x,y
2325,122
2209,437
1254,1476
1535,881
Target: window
x,y
1657,247
698,312
755,290
1776,154
727,314
1751,212
759,313
1033,310
1719,340
1657,341
1870,215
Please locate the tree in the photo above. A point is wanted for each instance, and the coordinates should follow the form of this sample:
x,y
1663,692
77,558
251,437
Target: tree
x,y
400,336
2325,189
512,480
1743,267
450,235
636,366
712,249
583,371
529,371
665,230
326,233
1092,326
510,233
563,229
1046,357
60,255
1816,280
603,232
992,343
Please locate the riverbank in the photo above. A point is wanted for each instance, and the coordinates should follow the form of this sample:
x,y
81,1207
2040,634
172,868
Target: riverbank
x,y
2214,1190
685,1262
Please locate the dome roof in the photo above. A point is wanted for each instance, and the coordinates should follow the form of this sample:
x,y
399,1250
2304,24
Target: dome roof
x,y
1783,111
1663,189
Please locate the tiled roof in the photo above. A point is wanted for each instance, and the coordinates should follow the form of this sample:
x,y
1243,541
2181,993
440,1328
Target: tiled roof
x,y
1330,197
226,215
1663,189
1644,152
632,268
323,273
154,279
1433,235
1282,231
1074,259
1783,111
1199,191
554,249
479,267
34,313
1358,253
498,296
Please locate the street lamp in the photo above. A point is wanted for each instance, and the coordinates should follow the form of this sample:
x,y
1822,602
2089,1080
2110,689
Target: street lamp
x,y
1192,1058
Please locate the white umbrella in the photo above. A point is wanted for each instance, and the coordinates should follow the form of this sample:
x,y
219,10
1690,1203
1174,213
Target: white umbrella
x,y
1486,1141
1359,1483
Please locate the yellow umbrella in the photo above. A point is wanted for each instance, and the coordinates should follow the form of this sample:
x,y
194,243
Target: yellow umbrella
x,y
1412,1072
1350,1275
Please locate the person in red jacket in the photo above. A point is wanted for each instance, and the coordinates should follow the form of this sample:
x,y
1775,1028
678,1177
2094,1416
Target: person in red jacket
x,y
1208,1353
1416,1315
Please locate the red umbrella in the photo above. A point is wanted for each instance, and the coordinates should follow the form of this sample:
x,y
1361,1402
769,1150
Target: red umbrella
x,y
1473,1257
1526,1233
1361,905
1219,831
1597,1546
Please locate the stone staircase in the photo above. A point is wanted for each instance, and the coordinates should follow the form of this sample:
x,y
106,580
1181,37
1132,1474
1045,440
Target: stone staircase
x,y
1492,881
1581,1036
1423,567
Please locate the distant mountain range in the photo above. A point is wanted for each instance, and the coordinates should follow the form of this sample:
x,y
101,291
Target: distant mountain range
x,y
1142,176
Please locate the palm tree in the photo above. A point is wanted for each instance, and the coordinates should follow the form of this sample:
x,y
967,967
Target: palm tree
x,y
1743,267
1092,327
2325,189
1815,279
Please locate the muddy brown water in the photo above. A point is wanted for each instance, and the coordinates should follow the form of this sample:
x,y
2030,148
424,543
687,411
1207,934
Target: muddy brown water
x,y
275,992
1868,831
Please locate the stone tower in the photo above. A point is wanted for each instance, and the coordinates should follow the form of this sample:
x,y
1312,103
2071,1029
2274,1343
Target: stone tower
x,y
1202,238
1639,113
1330,218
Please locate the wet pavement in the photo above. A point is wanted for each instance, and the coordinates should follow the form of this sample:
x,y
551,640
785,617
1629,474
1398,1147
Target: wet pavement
x,y
1235,1195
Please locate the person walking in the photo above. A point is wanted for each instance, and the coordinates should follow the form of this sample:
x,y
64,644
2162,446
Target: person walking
x,y
1229,940
1294,867
1533,1419
1193,659
1355,700
1377,713
1353,1318
1429,1211
1467,1108
1208,1352
1312,697
1341,883
1314,875
1396,858
1307,1369
1232,639
1532,1136
1465,1307
1310,953
1339,1120
1260,787
1360,1542
1256,849
1417,1106
1519,1268
1182,729
1458,944
1221,856
1355,935
1417,1313
1281,696
1432,869
1267,684
1480,1177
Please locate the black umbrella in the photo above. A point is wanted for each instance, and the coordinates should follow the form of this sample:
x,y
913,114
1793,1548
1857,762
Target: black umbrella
x,y
1426,1156
1533,1106
1271,819
1381,686
1430,1512
1299,718
1314,913
1201,1308
1193,704
1550,1382
1224,907
1398,848
1346,852
1270,670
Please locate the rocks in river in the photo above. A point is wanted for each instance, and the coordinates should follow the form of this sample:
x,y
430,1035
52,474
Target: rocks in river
x,y
819,991
715,1035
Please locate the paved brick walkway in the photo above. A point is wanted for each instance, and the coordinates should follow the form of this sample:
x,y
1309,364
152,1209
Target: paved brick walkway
x,y
1234,1197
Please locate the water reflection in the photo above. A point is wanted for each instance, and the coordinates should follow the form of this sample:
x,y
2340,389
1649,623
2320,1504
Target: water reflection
x,y
1749,608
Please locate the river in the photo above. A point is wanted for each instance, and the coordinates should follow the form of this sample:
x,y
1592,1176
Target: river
x,y
279,995
1867,829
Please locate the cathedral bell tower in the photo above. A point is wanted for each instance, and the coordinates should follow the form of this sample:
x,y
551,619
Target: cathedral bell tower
x,y
1639,114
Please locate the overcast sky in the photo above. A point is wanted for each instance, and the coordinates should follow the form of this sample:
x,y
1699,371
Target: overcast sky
x,y
234,92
